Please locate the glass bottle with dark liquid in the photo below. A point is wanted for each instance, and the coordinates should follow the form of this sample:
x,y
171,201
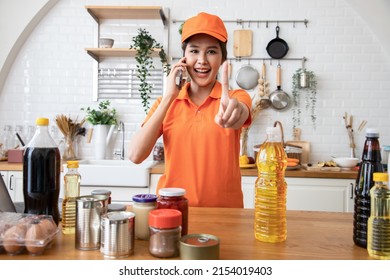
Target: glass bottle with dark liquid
x,y
41,173
371,163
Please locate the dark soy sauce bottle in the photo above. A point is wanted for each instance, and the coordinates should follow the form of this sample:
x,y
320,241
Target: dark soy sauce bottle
x,y
41,173
371,163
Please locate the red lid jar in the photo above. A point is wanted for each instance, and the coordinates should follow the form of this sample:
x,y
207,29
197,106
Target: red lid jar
x,y
173,198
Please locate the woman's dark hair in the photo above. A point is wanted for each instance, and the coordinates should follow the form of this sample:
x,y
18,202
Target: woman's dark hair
x,y
222,45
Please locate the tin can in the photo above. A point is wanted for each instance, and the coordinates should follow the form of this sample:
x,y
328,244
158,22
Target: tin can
x,y
115,207
103,192
199,247
117,239
88,215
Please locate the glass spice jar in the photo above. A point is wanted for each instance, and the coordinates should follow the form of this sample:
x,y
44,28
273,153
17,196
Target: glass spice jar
x,y
173,198
165,232
142,205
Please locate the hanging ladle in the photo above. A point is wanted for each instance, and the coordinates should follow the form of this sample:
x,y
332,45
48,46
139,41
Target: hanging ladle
x,y
265,102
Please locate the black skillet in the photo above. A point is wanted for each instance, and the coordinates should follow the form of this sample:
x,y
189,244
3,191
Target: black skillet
x,y
277,48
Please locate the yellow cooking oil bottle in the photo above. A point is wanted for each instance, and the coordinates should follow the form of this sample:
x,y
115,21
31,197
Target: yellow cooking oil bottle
x,y
271,189
378,224
71,192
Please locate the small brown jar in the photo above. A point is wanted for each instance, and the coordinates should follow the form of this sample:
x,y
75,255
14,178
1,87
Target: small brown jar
x,y
165,233
173,198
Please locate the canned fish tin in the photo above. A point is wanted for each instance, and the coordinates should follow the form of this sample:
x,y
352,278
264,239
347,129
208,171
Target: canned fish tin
x,y
88,214
117,239
199,247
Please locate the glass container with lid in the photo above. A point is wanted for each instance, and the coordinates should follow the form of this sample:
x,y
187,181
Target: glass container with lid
x,y
174,198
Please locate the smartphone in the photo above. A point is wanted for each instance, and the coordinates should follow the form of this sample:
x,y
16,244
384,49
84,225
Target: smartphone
x,y
179,79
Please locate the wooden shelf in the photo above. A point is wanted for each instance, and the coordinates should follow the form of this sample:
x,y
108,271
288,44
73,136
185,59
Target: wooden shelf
x,y
98,53
126,12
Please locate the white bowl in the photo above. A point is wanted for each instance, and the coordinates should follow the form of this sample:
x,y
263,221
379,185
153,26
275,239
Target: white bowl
x,y
346,162
106,42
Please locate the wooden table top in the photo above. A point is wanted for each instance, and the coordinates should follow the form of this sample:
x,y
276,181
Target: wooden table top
x,y
310,236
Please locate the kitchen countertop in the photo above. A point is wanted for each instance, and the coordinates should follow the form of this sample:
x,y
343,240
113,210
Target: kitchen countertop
x,y
310,236
302,173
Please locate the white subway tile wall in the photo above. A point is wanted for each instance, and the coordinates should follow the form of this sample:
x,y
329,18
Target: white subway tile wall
x,y
53,74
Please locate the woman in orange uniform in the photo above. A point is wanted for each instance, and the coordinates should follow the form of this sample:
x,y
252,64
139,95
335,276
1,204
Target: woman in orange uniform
x,y
200,121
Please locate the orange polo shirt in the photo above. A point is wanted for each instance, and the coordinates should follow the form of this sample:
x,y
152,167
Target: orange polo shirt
x,y
200,156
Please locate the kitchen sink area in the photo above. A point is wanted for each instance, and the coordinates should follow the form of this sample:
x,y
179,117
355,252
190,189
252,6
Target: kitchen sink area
x,y
122,178
119,173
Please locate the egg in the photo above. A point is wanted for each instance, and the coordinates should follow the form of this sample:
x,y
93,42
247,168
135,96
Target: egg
x,y
35,238
13,241
48,226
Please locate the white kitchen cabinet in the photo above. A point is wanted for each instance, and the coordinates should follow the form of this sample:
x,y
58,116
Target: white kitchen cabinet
x,y
311,194
153,182
14,182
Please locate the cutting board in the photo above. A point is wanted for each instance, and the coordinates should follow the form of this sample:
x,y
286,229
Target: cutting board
x,y
305,156
242,43
319,168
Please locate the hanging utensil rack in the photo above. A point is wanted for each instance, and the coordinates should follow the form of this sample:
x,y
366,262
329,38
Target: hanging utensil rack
x,y
242,22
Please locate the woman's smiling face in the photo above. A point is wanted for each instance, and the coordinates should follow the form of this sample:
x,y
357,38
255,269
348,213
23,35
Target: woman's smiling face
x,y
203,58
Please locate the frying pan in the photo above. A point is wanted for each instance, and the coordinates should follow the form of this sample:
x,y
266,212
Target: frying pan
x,y
247,77
277,48
280,100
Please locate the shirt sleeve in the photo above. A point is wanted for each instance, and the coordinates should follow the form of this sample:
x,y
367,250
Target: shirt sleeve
x,y
243,97
151,112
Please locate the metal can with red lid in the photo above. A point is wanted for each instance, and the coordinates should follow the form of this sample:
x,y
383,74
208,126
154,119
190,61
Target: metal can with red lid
x,y
199,247
174,198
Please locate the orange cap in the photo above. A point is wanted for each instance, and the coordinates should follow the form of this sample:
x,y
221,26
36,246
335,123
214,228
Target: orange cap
x,y
165,218
204,23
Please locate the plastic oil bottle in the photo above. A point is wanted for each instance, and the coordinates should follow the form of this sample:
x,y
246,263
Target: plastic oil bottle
x,y
71,192
371,163
271,189
378,225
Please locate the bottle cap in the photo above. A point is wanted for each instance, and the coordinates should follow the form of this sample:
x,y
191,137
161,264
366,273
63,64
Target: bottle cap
x,y
165,218
72,164
172,192
381,177
372,132
145,197
42,121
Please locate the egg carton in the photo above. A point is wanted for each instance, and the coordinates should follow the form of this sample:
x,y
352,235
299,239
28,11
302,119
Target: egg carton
x,y
29,233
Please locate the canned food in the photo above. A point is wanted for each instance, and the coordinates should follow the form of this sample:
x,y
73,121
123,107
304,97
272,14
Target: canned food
x,y
115,207
199,247
117,234
103,192
88,214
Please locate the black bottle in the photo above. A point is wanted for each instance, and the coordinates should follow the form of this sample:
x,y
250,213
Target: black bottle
x,y
371,163
41,173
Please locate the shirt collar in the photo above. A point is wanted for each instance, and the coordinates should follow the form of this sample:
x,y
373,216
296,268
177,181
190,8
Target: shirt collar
x,y
216,92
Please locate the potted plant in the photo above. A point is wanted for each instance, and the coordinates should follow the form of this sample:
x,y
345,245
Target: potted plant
x,y
304,81
145,44
103,120
104,115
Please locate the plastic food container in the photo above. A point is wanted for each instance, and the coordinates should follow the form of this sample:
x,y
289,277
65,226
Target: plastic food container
x,y
20,233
